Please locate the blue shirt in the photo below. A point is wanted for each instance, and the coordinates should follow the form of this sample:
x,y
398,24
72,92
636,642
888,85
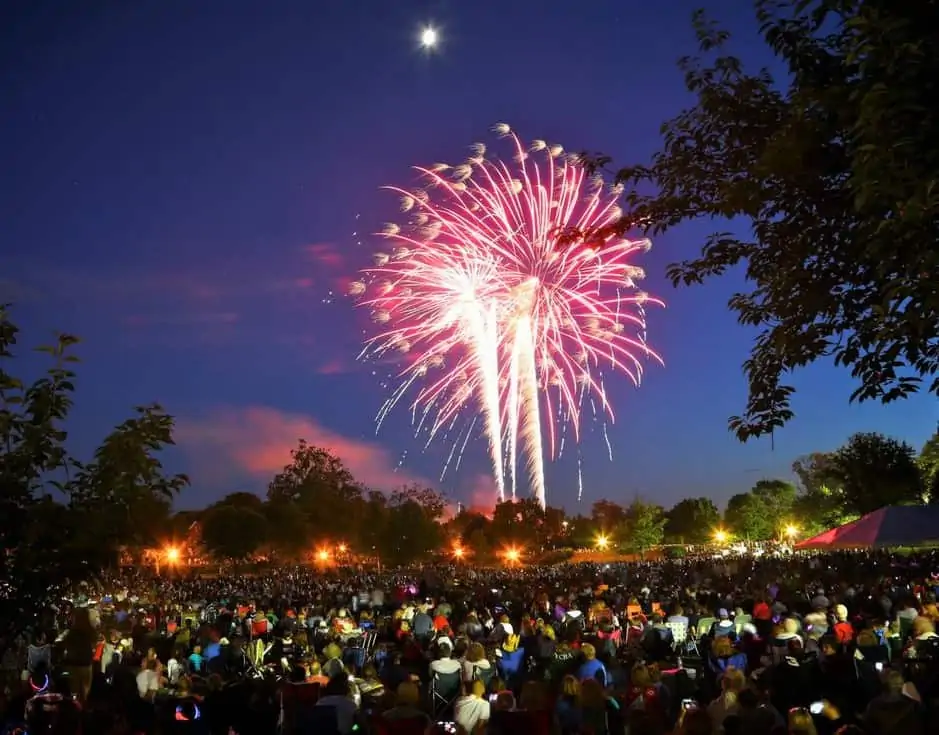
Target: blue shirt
x,y
593,669
195,661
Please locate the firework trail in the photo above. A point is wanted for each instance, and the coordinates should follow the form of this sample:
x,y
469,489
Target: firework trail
x,y
490,310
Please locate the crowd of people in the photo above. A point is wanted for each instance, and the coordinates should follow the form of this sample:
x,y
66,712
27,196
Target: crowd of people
x,y
798,644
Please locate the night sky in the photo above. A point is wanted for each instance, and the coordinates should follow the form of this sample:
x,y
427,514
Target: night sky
x,y
189,186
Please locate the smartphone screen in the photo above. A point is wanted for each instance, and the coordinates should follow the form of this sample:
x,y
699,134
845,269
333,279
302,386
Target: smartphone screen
x,y
816,708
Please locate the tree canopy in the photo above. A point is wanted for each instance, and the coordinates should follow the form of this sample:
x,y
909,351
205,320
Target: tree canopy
x,y
62,520
830,170
692,521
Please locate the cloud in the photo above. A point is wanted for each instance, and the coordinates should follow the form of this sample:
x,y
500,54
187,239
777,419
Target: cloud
x,y
325,254
257,440
331,367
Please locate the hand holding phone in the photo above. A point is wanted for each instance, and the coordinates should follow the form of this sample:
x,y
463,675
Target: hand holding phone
x,y
816,707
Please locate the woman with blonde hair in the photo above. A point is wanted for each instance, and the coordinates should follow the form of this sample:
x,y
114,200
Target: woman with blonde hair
x,y
732,683
801,722
567,709
475,663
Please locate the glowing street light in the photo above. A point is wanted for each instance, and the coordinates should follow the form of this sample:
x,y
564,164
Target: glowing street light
x,y
720,536
791,531
603,542
342,548
172,554
513,555
322,556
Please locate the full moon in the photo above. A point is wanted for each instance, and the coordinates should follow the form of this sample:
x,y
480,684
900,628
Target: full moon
x,y
428,38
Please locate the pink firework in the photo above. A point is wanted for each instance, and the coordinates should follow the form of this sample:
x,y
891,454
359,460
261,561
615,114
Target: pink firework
x,y
489,312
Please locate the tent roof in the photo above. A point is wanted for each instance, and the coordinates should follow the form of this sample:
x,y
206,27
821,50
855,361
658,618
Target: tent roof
x,y
894,525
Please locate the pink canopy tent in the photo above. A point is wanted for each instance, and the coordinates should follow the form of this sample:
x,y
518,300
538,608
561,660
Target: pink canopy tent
x,y
894,525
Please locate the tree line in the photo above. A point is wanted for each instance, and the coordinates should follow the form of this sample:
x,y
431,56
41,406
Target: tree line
x,y
315,502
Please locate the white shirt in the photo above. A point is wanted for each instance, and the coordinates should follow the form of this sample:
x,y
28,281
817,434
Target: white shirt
x,y
174,670
148,681
469,711
445,666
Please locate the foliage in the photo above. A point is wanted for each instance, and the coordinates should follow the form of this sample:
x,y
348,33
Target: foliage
x,y
874,471
644,526
928,462
692,521
761,513
320,487
746,518
606,514
54,533
412,527
833,171
234,531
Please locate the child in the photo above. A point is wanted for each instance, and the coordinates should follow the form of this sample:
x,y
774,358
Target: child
x,y
196,660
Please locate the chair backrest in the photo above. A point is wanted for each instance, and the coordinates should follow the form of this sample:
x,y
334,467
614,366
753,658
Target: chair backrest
x,y
300,694
740,621
484,674
447,685
704,625
679,631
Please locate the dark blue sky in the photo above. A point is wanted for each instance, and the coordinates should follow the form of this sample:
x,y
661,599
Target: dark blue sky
x,y
185,185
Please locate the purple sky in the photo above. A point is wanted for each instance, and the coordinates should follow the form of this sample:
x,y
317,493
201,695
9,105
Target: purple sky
x,y
183,184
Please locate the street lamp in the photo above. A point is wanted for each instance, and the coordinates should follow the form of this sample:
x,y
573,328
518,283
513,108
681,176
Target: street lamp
x,y
512,555
603,542
791,531
458,552
322,556
342,548
720,536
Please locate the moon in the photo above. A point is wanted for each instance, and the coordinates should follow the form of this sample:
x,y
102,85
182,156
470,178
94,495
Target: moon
x,y
429,38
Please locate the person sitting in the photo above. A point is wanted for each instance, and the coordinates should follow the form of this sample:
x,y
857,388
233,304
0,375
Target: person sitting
x,y
338,695
843,630
567,708
732,683
592,667
475,662
407,708
444,663
471,711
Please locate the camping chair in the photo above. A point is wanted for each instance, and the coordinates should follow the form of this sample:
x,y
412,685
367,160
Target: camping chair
x,y
683,639
705,625
485,675
368,643
295,701
444,690
510,663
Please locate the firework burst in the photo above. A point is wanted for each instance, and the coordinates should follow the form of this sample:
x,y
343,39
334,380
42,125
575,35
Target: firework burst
x,y
491,310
